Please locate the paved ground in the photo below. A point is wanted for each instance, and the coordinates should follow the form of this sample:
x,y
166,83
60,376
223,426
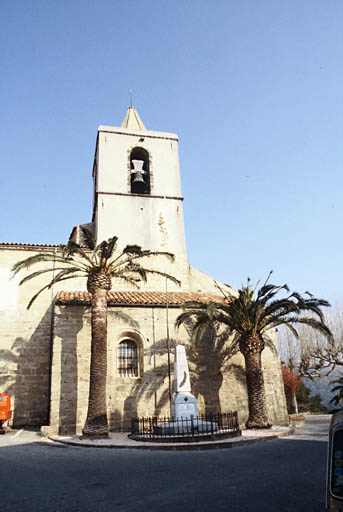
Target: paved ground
x,y
120,440
281,475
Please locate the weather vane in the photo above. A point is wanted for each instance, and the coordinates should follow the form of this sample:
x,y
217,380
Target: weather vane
x,y
131,98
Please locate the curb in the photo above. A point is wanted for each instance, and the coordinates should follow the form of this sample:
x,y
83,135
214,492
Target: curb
x,y
211,445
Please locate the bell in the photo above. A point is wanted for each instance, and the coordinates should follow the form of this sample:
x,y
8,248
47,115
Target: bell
x,y
138,185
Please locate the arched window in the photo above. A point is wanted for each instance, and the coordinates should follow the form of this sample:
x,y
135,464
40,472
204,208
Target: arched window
x,y
127,360
140,171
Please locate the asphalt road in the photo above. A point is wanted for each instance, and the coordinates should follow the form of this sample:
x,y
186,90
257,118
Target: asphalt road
x,y
283,475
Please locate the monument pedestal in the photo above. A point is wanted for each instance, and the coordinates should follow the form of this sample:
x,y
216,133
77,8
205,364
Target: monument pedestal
x,y
183,405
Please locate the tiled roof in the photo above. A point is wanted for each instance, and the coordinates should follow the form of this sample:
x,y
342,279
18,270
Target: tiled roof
x,y
137,298
21,245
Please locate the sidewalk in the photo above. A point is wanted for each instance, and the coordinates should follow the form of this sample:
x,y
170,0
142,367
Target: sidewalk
x,y
121,440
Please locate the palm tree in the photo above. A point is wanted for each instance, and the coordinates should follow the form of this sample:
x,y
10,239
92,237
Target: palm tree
x,y
99,263
250,315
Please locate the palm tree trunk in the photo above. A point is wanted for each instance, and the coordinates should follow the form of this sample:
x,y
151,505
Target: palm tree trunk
x,y
251,349
96,425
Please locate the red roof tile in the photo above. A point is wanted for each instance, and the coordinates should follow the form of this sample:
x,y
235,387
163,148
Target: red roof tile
x,y
21,245
137,298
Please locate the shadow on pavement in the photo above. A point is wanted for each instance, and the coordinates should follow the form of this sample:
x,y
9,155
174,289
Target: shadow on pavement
x,y
283,475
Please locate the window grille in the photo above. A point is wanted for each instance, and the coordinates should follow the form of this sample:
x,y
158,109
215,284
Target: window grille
x,y
127,359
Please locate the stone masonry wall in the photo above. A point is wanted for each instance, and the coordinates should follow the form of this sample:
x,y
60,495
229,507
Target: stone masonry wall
x,y
24,346
24,366
25,338
217,375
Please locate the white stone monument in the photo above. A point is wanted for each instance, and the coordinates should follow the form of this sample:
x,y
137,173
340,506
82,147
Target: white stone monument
x,y
183,403
184,406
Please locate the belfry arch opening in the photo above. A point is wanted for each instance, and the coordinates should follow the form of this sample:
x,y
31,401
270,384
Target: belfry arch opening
x,y
140,171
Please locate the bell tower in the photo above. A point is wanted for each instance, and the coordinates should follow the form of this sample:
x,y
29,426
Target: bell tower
x,y
137,189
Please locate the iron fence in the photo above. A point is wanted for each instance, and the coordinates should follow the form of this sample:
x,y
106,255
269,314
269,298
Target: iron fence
x,y
190,429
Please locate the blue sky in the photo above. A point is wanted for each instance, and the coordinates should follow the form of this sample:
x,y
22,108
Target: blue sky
x,y
253,89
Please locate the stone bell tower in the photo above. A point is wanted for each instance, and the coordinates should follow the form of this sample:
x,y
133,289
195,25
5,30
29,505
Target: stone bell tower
x,y
137,189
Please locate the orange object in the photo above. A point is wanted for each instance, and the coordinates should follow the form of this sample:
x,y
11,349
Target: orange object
x,y
5,407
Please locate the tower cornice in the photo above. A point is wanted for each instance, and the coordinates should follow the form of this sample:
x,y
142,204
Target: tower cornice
x,y
141,134
140,195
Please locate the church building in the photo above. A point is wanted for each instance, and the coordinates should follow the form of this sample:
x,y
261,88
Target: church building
x,y
45,352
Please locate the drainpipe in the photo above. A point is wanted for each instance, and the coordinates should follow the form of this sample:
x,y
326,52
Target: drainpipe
x,y
168,345
52,333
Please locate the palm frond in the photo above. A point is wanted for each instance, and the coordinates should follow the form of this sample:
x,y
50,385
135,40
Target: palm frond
x,y
135,270
256,313
314,324
40,272
199,323
72,247
88,238
268,292
199,329
111,245
133,249
143,272
72,260
75,249
226,294
194,304
106,249
32,260
289,326
184,317
100,251
136,252
61,275
47,286
134,281
281,307
268,277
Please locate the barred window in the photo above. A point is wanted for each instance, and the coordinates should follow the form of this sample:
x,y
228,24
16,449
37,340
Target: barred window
x,y
127,359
